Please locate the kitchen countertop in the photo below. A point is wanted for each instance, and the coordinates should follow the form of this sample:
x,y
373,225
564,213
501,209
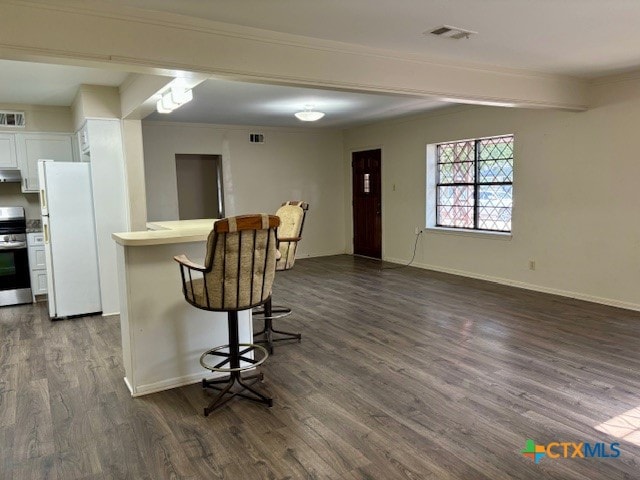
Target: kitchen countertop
x,y
161,233
178,225
34,226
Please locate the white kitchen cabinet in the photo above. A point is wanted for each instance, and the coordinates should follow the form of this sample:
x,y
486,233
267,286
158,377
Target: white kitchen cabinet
x,y
37,264
32,147
8,157
83,138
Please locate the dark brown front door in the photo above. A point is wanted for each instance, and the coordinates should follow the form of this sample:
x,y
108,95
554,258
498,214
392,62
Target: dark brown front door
x,y
367,203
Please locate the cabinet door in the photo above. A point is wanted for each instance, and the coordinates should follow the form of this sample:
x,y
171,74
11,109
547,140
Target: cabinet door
x,y
36,146
39,282
37,260
8,158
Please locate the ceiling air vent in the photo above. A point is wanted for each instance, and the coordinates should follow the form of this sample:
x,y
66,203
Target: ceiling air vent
x,y
256,138
448,31
12,119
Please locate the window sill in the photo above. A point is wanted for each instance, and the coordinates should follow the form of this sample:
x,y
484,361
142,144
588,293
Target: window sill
x,y
470,233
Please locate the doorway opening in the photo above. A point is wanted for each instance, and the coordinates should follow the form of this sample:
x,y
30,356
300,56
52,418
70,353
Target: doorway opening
x,y
367,203
199,182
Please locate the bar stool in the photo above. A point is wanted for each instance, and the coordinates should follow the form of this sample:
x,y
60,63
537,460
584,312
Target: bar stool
x,y
237,274
292,215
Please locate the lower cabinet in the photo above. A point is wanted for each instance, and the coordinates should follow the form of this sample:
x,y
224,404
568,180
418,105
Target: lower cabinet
x,y
37,263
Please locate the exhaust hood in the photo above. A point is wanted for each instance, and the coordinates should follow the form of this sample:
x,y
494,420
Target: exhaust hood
x,y
10,176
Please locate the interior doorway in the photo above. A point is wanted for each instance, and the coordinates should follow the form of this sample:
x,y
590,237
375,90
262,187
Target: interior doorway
x,y
199,182
367,203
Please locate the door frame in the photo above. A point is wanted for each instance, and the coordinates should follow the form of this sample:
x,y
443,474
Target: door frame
x,y
349,180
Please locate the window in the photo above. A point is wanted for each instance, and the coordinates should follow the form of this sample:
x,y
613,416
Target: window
x,y
474,180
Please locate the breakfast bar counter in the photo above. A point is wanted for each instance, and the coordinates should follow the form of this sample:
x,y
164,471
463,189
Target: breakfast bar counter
x,y
162,335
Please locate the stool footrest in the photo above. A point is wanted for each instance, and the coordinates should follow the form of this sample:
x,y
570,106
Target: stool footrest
x,y
228,357
277,311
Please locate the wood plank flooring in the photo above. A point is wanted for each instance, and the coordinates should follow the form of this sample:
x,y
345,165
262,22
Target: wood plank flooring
x,y
401,374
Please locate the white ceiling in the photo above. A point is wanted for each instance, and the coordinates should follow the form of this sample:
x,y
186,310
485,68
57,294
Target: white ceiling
x,y
215,101
238,103
586,38
574,37
44,84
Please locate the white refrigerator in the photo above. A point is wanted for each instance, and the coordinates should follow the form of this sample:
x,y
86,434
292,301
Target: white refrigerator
x,y
70,238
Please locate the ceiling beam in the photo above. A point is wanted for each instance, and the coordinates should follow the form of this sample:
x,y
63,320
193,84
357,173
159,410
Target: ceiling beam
x,y
66,31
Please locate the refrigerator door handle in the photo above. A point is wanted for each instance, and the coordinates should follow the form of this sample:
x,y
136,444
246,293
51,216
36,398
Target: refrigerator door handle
x,y
45,230
43,200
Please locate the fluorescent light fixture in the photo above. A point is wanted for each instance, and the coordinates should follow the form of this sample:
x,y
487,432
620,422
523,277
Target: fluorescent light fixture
x,y
181,95
308,114
173,98
160,107
168,103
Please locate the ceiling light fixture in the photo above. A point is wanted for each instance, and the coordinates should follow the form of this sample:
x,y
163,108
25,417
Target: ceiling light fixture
x,y
174,98
308,114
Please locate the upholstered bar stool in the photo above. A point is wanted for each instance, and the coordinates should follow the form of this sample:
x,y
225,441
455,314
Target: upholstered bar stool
x,y
237,274
292,215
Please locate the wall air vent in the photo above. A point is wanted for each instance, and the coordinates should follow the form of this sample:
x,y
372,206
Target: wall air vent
x,y
256,138
12,119
448,31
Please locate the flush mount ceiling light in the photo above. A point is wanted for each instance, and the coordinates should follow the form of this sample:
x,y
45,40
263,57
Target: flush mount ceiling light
x,y
174,98
448,31
308,114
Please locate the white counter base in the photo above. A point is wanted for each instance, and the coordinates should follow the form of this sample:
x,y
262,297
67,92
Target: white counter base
x,y
170,383
162,335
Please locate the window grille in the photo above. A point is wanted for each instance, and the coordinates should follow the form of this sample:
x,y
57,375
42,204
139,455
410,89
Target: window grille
x,y
474,184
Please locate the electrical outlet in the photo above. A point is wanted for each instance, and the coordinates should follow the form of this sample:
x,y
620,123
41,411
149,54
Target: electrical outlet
x,y
532,264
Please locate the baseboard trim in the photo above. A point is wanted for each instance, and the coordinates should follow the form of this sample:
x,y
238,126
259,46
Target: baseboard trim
x,y
316,255
176,382
524,285
126,382
170,383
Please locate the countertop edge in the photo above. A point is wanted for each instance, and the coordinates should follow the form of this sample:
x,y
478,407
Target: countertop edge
x,y
167,232
159,237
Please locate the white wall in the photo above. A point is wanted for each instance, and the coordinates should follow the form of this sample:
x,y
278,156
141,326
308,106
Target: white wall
x,y
292,164
134,165
41,118
95,101
110,200
575,204
11,196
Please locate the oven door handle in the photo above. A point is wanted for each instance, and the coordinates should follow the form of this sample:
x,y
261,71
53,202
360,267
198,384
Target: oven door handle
x,y
13,245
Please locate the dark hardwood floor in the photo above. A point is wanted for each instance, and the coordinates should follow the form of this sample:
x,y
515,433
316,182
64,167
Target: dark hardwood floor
x,y
400,374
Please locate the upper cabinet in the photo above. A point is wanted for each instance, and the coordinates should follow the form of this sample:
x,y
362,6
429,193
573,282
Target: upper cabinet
x,y
8,157
32,147
83,138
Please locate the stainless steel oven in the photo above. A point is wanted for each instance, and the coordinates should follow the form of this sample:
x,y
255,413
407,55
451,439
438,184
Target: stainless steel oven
x,y
15,284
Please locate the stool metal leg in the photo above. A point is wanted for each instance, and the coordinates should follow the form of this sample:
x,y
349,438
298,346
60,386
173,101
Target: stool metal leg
x,y
268,311
224,386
